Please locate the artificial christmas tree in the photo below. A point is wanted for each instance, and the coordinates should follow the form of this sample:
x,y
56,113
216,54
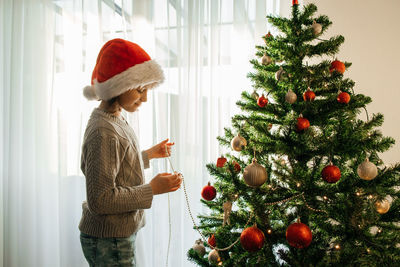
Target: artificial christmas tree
x,y
319,163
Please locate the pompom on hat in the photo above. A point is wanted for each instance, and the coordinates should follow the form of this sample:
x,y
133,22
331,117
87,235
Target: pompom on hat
x,y
121,66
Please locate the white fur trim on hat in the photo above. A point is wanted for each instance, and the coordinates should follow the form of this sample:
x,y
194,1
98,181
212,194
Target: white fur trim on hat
x,y
141,74
89,93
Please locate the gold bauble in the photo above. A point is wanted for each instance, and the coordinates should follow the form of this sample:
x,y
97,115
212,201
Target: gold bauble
x,y
254,174
382,206
199,248
280,74
213,256
238,143
317,28
367,170
266,60
290,97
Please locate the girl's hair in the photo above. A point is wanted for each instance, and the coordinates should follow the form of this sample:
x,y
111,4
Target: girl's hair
x,y
112,100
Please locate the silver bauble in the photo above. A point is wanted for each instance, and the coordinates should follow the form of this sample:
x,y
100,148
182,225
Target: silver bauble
x,y
382,206
255,95
266,60
213,257
254,174
238,143
280,74
316,27
367,170
199,248
290,97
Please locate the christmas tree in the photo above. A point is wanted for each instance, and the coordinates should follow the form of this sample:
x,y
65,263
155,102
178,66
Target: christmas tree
x,y
303,183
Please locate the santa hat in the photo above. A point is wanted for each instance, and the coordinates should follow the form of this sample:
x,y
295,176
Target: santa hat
x,y
121,66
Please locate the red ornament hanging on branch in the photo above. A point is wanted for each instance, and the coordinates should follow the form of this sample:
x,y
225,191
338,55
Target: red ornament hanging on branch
x,y
208,192
221,162
262,101
211,241
302,124
298,235
295,2
252,239
343,98
236,166
331,173
309,95
338,66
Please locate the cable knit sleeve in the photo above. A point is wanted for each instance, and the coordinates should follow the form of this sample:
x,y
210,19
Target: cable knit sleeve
x,y
102,160
146,161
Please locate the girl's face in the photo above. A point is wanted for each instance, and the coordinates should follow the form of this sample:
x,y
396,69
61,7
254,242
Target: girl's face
x,y
132,99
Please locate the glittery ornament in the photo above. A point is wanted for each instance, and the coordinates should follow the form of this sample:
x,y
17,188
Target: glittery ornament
x,y
252,239
367,170
213,257
199,248
382,206
317,28
290,97
266,60
299,235
238,143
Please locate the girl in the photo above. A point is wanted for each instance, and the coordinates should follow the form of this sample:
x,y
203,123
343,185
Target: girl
x,y
111,158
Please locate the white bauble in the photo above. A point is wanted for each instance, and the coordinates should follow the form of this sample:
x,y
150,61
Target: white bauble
x,y
254,174
382,206
199,248
238,143
290,97
367,170
213,257
280,74
317,28
266,60
255,95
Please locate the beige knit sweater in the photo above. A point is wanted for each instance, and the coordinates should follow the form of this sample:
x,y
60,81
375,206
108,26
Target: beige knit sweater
x,y
114,171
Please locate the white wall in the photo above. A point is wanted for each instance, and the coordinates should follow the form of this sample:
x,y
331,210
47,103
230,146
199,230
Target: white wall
x,y
372,36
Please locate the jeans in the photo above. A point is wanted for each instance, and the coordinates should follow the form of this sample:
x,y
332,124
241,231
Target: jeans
x,y
105,252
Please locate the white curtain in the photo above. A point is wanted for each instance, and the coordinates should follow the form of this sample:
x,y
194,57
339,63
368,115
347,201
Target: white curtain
x,y
47,52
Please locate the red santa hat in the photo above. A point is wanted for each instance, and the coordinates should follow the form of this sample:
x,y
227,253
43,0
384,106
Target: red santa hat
x,y
121,66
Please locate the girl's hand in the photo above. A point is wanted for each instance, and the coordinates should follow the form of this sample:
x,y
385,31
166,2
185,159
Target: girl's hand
x,y
161,150
166,182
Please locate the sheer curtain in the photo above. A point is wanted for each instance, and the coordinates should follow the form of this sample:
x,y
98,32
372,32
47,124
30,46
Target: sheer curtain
x,y
48,50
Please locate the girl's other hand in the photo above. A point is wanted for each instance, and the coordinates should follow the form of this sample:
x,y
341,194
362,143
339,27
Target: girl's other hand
x,y
161,150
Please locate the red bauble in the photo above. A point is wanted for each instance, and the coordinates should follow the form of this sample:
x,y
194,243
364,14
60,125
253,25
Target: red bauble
x,y
236,166
337,66
309,95
302,124
262,101
268,35
221,162
298,235
343,97
208,192
211,241
331,174
252,239
295,2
